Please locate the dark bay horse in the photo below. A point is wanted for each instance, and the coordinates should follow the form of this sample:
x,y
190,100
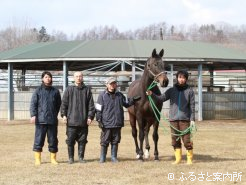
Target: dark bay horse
x,y
141,112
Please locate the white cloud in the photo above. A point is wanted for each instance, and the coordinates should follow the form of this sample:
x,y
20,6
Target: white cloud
x,y
211,11
191,5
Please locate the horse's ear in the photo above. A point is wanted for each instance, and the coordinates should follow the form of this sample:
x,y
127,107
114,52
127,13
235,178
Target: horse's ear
x,y
161,53
154,53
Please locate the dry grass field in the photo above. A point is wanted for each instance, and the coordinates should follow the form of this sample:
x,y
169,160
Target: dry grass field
x,y
219,151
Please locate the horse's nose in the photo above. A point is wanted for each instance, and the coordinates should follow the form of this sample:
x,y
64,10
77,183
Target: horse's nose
x,y
166,82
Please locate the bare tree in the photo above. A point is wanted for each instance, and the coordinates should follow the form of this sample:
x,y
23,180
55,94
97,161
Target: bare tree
x,y
13,37
223,33
58,36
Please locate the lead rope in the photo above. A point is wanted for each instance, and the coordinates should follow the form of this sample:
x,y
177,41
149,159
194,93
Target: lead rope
x,y
191,129
154,108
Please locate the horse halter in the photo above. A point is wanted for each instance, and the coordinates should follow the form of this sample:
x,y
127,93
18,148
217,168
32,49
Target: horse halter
x,y
156,75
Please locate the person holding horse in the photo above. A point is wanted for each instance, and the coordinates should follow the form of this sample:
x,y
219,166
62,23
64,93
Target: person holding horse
x,y
181,115
44,109
110,116
77,111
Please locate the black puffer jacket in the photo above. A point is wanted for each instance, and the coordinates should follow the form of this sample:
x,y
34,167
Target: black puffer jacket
x,y
45,104
109,109
78,105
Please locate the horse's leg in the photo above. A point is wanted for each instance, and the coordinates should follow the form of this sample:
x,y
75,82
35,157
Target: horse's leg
x,y
146,138
141,126
156,138
134,132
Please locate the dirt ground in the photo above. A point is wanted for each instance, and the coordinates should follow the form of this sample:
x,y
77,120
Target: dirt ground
x,y
219,158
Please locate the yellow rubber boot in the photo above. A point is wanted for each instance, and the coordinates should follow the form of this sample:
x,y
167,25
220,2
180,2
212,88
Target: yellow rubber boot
x,y
53,158
37,156
178,155
189,156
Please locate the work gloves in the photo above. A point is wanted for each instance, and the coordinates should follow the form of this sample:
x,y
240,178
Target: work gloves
x,y
192,123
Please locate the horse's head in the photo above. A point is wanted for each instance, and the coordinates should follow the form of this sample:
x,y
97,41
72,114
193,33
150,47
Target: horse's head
x,y
156,68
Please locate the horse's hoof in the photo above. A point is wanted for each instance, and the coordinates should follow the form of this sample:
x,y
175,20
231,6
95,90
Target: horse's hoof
x,y
146,157
156,159
146,154
140,159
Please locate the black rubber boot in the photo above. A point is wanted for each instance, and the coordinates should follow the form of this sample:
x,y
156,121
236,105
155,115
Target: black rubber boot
x,y
114,150
103,154
81,152
71,154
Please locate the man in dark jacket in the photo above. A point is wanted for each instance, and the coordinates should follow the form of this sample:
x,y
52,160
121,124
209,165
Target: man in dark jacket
x,y
181,114
77,111
110,116
44,108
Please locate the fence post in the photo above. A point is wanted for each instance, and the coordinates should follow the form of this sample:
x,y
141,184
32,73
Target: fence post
x,y
65,76
133,71
200,92
10,93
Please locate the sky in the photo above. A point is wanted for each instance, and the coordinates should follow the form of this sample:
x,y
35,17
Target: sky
x,y
74,16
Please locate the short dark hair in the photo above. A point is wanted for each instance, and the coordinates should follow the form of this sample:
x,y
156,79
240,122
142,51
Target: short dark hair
x,y
182,72
46,73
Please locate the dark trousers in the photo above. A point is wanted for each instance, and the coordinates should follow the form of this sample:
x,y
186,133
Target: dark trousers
x,y
176,141
78,134
40,133
110,135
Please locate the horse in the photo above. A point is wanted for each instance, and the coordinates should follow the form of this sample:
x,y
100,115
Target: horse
x,y
141,111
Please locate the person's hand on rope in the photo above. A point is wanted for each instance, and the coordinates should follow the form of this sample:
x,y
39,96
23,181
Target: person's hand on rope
x,y
64,119
193,128
148,92
192,123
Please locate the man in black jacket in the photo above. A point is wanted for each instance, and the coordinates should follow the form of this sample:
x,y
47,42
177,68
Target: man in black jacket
x,y
44,108
77,111
110,116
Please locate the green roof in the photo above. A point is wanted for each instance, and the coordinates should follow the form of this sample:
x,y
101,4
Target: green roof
x,y
139,50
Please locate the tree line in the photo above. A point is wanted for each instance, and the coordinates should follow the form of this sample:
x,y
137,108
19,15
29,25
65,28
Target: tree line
x,y
222,33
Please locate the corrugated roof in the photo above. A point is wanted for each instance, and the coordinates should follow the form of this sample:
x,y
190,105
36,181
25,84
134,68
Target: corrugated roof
x,y
99,50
